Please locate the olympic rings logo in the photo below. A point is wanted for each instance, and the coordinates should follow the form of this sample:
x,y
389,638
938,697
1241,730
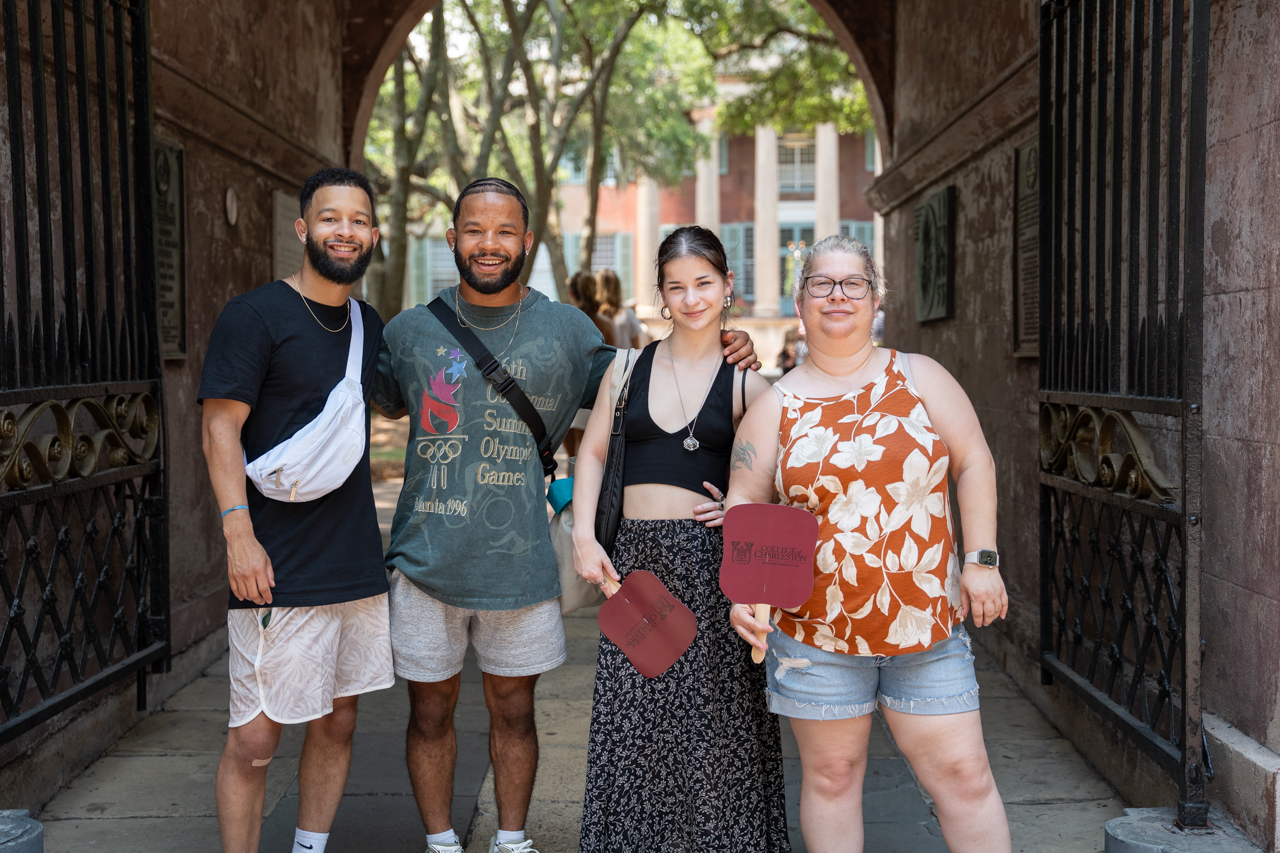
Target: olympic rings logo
x,y
443,450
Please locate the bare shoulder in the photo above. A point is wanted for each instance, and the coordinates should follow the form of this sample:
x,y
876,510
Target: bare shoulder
x,y
928,374
764,409
756,385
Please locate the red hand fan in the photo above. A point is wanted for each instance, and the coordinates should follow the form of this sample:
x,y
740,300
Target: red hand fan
x,y
768,558
647,622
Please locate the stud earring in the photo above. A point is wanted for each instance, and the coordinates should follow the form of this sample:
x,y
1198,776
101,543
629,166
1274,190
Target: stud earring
x,y
728,302
665,313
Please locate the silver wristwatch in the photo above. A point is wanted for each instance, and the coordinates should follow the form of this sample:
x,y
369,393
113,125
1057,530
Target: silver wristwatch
x,y
986,559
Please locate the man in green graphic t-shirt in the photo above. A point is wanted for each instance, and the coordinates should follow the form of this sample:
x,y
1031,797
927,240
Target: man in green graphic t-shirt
x,y
471,558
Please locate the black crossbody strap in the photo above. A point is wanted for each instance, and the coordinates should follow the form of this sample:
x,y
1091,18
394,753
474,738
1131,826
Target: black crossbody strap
x,y
501,380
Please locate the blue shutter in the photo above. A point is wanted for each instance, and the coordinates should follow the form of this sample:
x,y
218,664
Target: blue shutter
x,y
626,264
731,237
572,243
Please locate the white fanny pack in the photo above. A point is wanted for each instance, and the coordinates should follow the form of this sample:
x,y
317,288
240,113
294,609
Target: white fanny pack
x,y
319,457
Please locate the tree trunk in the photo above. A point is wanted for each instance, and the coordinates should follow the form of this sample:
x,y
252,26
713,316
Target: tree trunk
x,y
554,242
391,291
596,159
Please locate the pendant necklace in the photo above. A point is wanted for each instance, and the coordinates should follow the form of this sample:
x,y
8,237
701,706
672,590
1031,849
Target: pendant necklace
x,y
690,443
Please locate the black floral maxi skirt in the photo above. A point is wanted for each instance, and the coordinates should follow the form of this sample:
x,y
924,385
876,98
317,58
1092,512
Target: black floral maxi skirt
x,y
690,761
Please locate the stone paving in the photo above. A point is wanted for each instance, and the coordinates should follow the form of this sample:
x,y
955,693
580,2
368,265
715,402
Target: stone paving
x,y
153,792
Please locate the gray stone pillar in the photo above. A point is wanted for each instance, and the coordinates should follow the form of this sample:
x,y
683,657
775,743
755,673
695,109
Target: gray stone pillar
x,y
768,270
826,184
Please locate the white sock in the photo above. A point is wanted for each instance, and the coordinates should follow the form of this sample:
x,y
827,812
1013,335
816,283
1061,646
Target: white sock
x,y
446,837
507,837
309,842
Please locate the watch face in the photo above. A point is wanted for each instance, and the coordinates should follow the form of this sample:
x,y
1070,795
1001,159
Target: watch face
x,y
988,558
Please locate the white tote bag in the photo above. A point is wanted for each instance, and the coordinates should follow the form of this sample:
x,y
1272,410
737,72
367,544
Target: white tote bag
x,y
575,591
320,456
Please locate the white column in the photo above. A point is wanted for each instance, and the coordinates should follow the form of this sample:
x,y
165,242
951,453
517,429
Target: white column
x,y
707,191
646,245
768,271
826,189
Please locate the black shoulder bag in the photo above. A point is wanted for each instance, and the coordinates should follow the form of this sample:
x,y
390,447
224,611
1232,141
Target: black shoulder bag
x,y
609,506
500,379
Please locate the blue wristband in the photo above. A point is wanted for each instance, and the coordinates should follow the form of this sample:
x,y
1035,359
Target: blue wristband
x,y
233,509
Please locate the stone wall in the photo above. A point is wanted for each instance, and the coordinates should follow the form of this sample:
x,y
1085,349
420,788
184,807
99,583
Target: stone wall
x,y
1241,558
963,104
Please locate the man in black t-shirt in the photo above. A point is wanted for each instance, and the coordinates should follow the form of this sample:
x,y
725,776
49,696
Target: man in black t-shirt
x,y
307,620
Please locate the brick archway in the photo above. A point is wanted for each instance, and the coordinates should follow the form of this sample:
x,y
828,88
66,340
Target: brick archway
x,y
375,32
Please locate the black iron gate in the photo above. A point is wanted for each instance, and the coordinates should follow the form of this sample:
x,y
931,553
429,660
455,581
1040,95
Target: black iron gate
x,y
1123,91
84,561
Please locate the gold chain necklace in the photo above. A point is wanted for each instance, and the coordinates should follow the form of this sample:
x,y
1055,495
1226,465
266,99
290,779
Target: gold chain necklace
x,y
298,286
457,310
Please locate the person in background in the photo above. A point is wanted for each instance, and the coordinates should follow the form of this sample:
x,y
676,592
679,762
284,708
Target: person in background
x,y
583,291
864,438
690,760
626,324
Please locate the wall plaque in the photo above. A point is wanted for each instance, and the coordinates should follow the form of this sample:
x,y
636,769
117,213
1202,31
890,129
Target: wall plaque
x,y
171,274
1026,248
935,262
286,248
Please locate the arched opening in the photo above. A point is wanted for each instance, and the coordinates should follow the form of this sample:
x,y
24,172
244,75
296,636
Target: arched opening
x,y
865,28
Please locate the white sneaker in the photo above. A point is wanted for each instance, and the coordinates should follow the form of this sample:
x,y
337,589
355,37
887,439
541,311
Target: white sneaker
x,y
525,846
445,848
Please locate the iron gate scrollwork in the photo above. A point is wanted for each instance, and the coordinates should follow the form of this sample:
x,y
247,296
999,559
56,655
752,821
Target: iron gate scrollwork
x,y
1123,94
83,540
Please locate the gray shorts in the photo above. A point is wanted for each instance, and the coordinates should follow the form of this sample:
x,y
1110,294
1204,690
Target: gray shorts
x,y
429,638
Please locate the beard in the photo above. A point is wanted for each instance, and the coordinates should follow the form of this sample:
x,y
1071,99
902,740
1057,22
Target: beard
x,y
338,272
489,286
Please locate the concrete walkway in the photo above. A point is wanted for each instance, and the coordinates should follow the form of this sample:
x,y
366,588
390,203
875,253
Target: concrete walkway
x,y
153,792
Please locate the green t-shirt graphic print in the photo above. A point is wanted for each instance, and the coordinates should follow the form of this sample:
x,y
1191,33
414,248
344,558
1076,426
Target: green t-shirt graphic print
x,y
470,527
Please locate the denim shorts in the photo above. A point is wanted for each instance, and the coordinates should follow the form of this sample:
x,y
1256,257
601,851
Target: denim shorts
x,y
810,684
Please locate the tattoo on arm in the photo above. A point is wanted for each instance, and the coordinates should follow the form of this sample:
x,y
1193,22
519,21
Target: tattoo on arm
x,y
743,454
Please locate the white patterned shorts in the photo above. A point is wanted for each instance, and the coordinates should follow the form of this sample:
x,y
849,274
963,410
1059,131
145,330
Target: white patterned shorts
x,y
294,666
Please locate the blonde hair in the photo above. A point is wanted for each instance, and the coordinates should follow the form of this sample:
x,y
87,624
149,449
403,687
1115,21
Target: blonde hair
x,y
838,244
610,291
582,284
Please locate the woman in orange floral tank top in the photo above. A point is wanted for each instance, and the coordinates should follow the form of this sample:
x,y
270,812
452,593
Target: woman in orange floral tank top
x,y
864,438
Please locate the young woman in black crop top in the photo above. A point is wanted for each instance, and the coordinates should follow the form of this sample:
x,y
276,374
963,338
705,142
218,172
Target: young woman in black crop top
x,y
690,760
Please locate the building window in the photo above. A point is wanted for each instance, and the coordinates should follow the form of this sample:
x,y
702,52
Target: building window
x,y
724,153
863,232
796,159
870,144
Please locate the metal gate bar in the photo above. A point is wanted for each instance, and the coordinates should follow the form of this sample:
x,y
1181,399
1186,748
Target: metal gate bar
x,y
1123,91
83,533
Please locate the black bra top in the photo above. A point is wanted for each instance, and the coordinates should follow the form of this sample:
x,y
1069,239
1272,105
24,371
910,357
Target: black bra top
x,y
657,456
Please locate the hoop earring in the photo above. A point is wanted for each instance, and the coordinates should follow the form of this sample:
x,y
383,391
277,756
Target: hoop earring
x,y
728,302
665,313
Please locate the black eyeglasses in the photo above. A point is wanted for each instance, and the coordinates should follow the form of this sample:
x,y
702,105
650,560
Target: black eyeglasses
x,y
854,287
